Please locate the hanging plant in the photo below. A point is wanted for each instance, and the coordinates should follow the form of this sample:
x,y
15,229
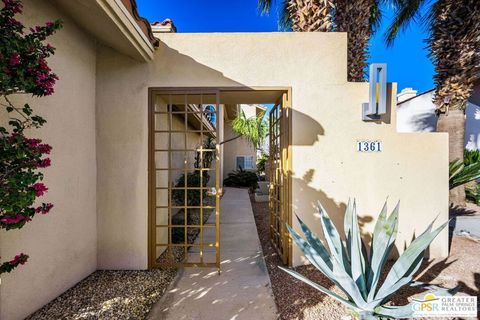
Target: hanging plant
x,y
23,70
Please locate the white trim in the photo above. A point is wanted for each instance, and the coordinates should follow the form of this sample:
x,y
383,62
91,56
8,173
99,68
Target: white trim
x,y
244,156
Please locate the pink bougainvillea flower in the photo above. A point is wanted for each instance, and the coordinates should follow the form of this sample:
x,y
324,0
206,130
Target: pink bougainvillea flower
x,y
13,219
32,142
44,163
44,208
40,189
44,148
14,6
50,24
14,60
19,259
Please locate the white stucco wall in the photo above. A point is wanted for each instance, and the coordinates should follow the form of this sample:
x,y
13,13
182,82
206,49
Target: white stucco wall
x,y
418,115
326,125
62,244
472,126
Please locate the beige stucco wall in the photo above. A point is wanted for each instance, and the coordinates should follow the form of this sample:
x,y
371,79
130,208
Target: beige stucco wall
x,y
326,124
412,167
62,245
237,147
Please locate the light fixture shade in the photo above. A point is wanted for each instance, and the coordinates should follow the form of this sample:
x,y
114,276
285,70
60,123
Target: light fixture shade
x,y
377,104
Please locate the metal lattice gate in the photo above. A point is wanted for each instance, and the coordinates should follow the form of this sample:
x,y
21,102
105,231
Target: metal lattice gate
x,y
184,179
279,164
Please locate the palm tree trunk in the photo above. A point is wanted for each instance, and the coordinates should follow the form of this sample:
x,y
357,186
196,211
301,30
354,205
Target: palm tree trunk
x,y
454,124
310,15
454,43
354,18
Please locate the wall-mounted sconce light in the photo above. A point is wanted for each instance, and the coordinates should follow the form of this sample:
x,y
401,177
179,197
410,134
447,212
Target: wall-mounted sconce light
x,y
377,104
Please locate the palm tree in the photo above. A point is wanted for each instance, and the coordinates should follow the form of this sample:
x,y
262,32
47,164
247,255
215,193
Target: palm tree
x,y
358,18
254,129
454,47
303,15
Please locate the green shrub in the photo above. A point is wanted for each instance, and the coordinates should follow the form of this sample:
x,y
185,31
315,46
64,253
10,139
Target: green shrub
x,y
460,174
243,179
473,194
193,178
261,162
193,199
357,273
471,157
193,195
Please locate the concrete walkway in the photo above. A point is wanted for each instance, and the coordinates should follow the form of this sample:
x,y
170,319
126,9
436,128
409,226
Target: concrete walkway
x,y
242,290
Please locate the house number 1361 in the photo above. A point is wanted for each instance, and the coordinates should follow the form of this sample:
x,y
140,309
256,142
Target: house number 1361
x,y
369,146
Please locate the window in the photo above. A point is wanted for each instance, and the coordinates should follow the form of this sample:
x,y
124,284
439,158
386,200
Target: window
x,y
244,162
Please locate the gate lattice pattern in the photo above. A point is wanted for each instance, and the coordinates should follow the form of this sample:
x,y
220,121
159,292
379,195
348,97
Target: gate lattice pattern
x,y
279,194
184,179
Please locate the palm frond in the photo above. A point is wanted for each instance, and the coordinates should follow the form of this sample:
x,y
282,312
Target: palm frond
x,y
284,17
264,6
375,16
254,129
406,11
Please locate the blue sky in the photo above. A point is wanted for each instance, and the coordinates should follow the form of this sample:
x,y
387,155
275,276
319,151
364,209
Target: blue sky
x,y
407,61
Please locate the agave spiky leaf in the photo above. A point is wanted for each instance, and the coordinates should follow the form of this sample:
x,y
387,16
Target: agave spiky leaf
x,y
354,245
350,268
311,254
409,260
336,273
297,275
315,242
333,239
406,311
383,241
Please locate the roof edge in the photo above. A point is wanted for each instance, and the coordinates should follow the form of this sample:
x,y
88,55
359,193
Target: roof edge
x,y
144,24
418,95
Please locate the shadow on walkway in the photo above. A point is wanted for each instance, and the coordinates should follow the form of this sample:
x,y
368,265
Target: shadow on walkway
x,y
242,290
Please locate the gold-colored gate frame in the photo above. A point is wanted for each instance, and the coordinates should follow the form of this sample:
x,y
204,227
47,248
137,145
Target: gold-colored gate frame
x,y
152,92
280,159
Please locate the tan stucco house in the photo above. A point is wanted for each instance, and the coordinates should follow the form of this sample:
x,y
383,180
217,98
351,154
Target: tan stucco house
x,y
119,75
239,152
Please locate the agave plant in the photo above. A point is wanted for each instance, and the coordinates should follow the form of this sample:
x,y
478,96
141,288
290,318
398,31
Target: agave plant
x,y
460,174
347,264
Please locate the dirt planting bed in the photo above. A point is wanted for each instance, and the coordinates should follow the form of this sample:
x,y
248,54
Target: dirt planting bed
x,y
296,300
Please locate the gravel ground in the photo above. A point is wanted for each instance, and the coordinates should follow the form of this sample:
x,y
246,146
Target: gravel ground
x,y
109,295
296,300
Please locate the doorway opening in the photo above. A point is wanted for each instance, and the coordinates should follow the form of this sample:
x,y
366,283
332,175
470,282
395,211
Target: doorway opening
x,y
187,164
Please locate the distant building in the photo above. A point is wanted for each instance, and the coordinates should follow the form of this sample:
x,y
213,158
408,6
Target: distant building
x,y
416,113
239,153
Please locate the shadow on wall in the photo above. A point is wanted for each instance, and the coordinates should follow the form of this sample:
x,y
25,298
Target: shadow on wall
x,y
122,157
177,65
311,129
425,121
335,209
